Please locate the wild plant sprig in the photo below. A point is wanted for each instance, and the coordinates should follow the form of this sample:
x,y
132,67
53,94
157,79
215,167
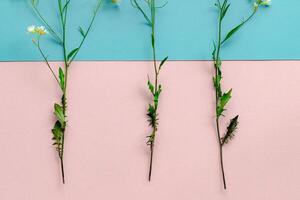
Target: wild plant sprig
x,y
223,98
60,109
156,88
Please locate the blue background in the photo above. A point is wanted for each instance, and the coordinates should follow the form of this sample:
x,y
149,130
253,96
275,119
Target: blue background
x,y
185,31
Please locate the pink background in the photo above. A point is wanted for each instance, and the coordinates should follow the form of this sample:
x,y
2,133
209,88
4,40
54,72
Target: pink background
x,y
105,152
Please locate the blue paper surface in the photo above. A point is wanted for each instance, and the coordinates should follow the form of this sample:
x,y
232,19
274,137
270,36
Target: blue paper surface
x,y
185,31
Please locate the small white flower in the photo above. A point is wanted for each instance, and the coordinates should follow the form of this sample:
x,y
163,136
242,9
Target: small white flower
x,y
31,29
39,30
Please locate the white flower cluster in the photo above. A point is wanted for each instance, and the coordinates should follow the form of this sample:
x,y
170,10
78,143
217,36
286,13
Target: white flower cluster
x,y
258,3
39,30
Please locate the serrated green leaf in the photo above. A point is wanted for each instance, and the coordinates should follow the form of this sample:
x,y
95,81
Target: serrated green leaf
x,y
152,116
72,53
223,100
230,130
57,131
58,112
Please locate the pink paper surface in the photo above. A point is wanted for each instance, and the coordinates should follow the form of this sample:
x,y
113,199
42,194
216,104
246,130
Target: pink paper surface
x,y
106,156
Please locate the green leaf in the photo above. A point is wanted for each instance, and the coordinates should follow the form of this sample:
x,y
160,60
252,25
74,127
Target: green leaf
x,y
230,130
217,84
223,100
156,95
224,10
233,31
152,116
152,40
72,53
57,131
214,52
163,62
217,81
61,78
58,112
81,31
66,6
150,86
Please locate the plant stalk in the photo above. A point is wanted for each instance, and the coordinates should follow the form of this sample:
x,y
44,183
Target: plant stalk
x,y
217,69
151,160
156,71
63,19
62,169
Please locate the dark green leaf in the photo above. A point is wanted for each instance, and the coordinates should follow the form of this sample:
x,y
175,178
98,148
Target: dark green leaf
x,y
233,31
224,11
163,62
153,121
66,6
72,53
223,100
61,78
230,130
58,112
152,40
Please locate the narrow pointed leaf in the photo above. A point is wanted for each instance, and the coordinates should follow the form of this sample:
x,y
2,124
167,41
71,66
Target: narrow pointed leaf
x,y
72,53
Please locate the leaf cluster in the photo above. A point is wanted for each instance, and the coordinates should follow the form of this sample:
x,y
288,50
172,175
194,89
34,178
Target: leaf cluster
x,y
152,108
230,131
58,130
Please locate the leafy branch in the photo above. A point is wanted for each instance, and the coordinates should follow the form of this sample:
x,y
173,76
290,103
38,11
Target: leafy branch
x,y
154,88
223,98
60,109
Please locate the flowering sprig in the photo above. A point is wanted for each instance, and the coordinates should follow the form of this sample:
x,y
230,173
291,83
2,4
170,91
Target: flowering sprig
x,y
60,109
154,88
223,98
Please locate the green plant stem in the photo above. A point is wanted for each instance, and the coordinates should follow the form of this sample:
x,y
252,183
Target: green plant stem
x,y
46,60
156,71
63,19
217,70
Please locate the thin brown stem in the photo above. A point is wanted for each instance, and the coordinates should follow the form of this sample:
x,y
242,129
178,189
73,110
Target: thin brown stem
x,y
62,169
221,154
151,160
46,60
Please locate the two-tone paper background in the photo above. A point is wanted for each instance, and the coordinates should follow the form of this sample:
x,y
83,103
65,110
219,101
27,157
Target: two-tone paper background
x,y
105,152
